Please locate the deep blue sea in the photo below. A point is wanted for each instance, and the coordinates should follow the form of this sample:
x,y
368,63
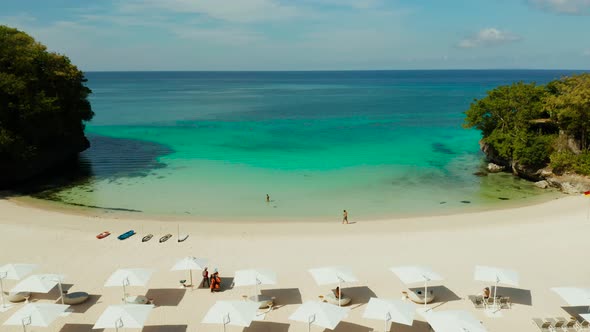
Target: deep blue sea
x,y
212,144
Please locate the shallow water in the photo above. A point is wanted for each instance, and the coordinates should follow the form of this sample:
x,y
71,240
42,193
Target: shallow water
x,y
212,145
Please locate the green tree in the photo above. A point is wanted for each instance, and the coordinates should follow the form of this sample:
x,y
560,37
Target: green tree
x,y
43,100
505,118
569,104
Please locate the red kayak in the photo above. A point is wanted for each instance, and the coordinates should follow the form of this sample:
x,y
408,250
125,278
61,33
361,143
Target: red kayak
x,y
103,235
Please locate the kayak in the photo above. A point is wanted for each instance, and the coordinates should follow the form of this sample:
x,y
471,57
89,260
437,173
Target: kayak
x,y
103,235
147,238
126,235
165,238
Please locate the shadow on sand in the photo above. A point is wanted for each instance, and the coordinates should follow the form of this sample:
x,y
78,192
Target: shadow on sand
x,y
165,328
517,295
79,328
283,296
166,297
267,327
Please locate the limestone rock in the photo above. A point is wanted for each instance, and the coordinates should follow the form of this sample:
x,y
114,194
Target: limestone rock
x,y
542,184
493,168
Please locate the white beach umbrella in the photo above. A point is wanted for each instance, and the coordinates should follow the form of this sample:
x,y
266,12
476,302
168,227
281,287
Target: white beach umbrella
x,y
129,316
390,311
36,314
40,283
497,276
129,277
585,317
574,296
237,313
13,272
322,314
190,263
333,275
453,321
413,274
255,277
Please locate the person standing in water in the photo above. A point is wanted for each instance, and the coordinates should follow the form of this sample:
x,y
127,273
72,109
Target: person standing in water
x,y
345,217
267,198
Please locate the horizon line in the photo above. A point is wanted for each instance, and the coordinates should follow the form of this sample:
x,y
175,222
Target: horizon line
x,y
325,70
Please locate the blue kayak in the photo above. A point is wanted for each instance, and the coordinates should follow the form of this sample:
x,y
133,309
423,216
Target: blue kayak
x,y
126,235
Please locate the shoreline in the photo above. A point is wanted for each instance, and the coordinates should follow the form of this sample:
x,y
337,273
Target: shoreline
x,y
110,213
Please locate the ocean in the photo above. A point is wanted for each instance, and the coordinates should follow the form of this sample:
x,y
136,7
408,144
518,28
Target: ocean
x,y
212,145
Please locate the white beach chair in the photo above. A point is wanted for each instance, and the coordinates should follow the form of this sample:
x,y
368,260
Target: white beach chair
x,y
583,326
570,325
557,323
543,325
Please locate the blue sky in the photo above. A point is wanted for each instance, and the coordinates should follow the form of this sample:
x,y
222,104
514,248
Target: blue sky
x,y
309,34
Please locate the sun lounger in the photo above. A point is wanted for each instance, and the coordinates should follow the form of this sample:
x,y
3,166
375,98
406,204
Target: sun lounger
x,y
504,302
557,323
543,325
136,299
583,326
147,238
477,301
570,325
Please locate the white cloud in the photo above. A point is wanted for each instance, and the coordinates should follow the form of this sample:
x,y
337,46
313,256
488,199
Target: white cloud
x,y
243,11
488,37
572,7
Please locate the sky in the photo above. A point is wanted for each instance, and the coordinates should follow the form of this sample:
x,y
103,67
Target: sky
x,y
104,35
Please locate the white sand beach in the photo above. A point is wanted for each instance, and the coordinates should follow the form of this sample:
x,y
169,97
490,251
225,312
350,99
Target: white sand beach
x,y
545,243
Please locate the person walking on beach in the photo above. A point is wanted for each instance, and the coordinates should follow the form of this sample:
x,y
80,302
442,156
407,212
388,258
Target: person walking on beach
x,y
206,278
345,217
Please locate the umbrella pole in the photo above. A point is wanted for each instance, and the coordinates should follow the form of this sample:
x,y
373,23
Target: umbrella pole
x,y
495,293
124,294
2,292
191,275
61,291
425,293
339,292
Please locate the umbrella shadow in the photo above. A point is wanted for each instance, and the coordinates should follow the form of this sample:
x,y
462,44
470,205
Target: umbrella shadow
x,y
418,326
83,307
226,284
79,328
350,327
359,295
166,328
166,297
267,327
576,311
53,294
283,296
517,295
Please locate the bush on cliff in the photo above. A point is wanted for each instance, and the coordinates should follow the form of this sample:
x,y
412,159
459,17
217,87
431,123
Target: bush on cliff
x,y
535,126
43,106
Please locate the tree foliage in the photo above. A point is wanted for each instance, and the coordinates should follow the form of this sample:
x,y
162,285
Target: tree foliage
x,y
525,123
43,99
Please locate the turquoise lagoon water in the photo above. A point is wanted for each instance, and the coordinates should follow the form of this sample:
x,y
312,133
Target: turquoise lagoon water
x,y
212,145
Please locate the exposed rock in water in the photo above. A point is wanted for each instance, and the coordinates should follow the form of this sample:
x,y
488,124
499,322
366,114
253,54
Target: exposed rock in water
x,y
493,168
543,177
542,184
465,202
481,173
